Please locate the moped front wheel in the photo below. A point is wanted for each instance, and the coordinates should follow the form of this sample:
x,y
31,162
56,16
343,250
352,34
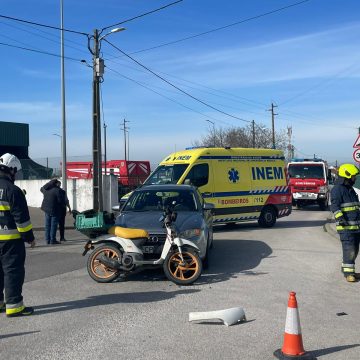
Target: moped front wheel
x,y
97,270
185,270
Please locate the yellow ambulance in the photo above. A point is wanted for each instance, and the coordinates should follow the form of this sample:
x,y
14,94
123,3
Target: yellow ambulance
x,y
243,184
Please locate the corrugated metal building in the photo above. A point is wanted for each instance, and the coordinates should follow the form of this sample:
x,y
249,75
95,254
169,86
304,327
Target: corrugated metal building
x,y
14,139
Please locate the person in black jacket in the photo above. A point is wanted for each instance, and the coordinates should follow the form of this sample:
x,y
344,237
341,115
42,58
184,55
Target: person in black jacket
x,y
52,204
346,208
15,229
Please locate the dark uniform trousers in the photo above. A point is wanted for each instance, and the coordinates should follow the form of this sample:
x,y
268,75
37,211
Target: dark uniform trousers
x,y
350,246
12,270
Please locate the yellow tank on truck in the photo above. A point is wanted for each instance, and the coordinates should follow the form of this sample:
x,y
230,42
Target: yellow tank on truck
x,y
243,183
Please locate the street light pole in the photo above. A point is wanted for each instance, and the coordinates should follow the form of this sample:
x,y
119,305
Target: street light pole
x,y
61,150
63,138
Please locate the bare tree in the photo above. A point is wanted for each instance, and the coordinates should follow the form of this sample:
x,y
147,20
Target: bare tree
x,y
243,137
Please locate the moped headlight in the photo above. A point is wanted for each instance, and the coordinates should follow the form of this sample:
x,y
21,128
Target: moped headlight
x,y
190,233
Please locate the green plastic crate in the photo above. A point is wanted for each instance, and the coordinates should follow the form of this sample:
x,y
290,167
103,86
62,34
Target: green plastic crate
x,y
90,221
93,224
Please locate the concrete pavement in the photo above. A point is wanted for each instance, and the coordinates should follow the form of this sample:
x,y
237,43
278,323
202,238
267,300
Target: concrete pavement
x,y
146,317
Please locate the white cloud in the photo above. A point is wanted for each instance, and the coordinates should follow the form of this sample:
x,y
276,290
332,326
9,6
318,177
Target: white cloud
x,y
321,54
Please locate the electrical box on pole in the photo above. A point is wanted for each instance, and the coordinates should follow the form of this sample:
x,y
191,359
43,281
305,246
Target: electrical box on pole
x,y
99,67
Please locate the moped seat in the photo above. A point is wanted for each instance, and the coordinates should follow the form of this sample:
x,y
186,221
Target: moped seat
x,y
128,233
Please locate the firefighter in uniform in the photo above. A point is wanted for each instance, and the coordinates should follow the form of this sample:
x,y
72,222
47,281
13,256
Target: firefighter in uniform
x,y
346,208
15,230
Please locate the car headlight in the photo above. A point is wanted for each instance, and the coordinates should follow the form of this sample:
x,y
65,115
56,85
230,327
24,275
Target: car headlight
x,y
322,189
190,233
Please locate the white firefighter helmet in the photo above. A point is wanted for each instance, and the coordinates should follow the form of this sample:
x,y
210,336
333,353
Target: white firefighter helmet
x,y
9,162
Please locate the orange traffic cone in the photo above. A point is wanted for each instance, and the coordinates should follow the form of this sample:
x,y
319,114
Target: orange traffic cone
x,y
293,346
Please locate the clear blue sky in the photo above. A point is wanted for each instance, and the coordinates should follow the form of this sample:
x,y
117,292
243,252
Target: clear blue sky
x,y
305,59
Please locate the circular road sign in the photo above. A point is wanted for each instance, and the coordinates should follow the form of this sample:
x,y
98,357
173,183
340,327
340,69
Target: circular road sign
x,y
356,155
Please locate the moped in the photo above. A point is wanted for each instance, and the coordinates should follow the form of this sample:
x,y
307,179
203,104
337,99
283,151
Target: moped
x,y
122,253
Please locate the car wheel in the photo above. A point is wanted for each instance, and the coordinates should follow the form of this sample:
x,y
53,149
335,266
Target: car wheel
x,y
323,204
268,217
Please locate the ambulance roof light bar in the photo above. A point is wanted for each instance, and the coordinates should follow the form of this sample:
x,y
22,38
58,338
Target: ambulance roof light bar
x,y
301,160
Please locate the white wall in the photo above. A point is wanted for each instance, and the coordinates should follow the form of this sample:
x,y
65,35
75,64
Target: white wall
x,y
79,192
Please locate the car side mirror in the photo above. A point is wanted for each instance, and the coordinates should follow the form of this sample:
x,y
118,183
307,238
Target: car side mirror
x,y
208,206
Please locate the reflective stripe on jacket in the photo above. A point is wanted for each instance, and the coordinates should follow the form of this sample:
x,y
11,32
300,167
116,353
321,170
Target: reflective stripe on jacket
x,y
346,207
14,213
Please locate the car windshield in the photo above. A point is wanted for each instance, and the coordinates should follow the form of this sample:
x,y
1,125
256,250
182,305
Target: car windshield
x,y
302,171
149,200
166,174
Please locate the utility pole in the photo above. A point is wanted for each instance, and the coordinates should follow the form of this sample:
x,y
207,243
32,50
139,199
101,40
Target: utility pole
x,y
98,72
273,124
128,144
214,134
125,128
290,146
253,133
105,126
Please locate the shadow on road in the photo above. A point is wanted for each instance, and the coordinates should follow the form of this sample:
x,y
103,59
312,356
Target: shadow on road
x,y
228,259
282,224
18,334
300,223
331,350
109,299
233,258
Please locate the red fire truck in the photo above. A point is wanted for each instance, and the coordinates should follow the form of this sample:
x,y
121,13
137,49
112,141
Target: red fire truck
x,y
309,182
130,173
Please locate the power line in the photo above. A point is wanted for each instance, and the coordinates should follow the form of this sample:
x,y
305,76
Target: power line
x,y
166,97
176,87
39,51
42,25
142,15
222,27
54,40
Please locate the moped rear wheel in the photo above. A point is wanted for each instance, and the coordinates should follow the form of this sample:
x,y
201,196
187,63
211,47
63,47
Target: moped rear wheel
x,y
183,272
97,270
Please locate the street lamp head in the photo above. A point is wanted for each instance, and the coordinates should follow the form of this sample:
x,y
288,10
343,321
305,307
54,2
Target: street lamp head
x,y
117,30
112,32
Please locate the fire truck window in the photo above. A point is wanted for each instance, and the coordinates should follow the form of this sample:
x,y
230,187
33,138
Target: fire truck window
x,y
198,175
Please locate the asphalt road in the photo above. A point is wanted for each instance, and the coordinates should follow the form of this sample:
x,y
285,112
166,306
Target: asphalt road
x,y
146,316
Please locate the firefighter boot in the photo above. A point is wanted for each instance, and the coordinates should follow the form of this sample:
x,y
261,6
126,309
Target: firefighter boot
x,y
351,278
357,276
27,310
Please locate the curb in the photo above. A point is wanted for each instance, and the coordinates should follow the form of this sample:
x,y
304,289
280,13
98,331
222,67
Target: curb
x,y
43,228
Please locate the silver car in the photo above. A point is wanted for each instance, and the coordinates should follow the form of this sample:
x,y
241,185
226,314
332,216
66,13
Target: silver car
x,y
145,206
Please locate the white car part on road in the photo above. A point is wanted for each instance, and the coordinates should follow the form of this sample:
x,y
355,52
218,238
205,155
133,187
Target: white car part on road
x,y
228,316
